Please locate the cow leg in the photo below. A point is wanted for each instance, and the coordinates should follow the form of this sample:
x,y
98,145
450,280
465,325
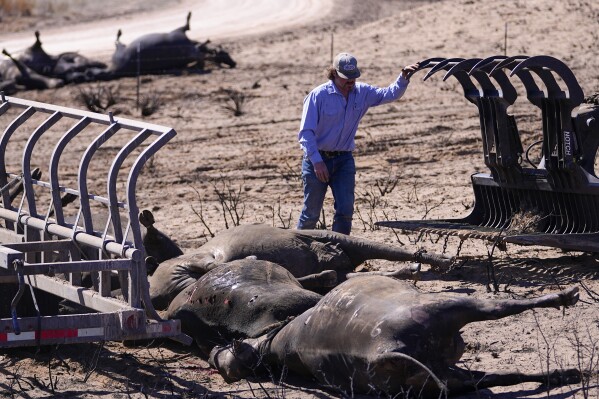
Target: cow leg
x,y
408,272
456,313
400,373
239,359
497,309
460,380
326,279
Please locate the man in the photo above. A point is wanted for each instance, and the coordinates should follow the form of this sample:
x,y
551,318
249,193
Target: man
x,y
332,112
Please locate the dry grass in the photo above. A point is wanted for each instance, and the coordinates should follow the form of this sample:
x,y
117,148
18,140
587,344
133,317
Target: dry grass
x,y
25,8
16,7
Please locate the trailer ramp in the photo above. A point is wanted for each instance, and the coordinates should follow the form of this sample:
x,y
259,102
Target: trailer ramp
x,y
44,248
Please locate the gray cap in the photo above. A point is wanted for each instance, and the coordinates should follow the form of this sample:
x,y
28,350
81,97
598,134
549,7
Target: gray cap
x,y
346,66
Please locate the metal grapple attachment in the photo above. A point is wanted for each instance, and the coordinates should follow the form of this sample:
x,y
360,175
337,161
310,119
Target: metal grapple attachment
x,y
554,202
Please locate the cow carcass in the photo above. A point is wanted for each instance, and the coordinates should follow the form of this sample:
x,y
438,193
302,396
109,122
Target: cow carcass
x,y
163,53
302,252
376,334
240,299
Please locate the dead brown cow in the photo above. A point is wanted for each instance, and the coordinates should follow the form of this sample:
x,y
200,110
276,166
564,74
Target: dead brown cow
x,y
302,252
376,334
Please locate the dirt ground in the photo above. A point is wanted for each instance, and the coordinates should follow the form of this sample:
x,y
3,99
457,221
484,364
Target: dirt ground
x,y
428,143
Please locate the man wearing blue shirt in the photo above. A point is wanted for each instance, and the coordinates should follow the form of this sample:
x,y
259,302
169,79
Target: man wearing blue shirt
x,y
332,112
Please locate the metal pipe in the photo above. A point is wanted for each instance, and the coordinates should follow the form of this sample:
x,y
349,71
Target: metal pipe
x,y
78,236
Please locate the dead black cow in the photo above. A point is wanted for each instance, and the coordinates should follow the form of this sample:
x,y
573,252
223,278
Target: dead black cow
x,y
241,299
14,76
70,67
379,334
163,53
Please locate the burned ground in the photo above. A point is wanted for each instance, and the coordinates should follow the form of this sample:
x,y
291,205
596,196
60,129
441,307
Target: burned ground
x,y
414,160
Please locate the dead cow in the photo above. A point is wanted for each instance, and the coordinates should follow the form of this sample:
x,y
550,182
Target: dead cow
x,y
303,253
70,67
241,299
163,52
14,76
378,334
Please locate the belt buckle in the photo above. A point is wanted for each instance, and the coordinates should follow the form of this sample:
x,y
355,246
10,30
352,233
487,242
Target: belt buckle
x,y
330,154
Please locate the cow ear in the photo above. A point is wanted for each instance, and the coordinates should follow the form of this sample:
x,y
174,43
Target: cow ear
x,y
151,265
146,218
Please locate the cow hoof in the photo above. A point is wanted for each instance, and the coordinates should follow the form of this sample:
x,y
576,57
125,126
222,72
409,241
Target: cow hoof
x,y
569,296
235,361
564,377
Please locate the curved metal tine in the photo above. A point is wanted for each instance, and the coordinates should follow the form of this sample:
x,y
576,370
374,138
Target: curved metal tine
x,y
117,163
463,70
509,62
470,90
560,102
553,88
442,65
4,140
548,63
487,64
54,162
83,172
477,96
134,172
532,89
533,92
508,92
428,63
28,154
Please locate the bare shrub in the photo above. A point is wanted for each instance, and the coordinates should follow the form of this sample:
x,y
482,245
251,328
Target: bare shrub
x,y
526,221
373,197
292,175
98,98
231,201
276,213
231,204
150,103
235,102
586,345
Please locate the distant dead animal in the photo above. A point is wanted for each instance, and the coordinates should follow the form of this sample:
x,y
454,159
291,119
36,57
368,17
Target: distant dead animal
x,y
380,335
217,55
163,53
71,67
14,76
302,252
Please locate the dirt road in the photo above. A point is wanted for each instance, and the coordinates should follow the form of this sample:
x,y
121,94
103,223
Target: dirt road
x,y
214,19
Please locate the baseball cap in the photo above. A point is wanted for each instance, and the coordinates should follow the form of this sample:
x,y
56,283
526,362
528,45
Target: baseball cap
x,y
346,66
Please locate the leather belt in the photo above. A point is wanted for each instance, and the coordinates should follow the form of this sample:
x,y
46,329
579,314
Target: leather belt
x,y
332,154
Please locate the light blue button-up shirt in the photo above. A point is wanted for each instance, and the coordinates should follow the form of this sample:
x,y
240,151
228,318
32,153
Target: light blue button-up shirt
x,y
329,121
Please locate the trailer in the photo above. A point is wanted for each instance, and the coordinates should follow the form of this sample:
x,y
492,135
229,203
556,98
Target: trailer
x,y
48,247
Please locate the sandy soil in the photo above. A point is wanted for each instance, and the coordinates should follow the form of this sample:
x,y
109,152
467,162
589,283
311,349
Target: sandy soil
x,y
428,142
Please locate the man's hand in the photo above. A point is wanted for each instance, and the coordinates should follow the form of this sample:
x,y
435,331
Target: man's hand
x,y
409,70
322,173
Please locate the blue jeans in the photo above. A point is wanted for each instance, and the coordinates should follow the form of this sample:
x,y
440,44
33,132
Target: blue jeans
x,y
342,180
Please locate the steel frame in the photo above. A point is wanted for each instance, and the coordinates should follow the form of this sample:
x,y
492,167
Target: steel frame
x,y
30,240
